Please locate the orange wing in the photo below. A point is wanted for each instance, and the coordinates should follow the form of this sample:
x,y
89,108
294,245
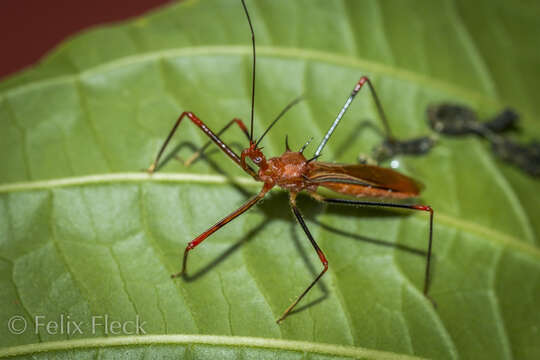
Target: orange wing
x,y
363,180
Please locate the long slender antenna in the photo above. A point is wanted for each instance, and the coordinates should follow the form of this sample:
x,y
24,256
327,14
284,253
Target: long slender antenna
x,y
253,73
289,105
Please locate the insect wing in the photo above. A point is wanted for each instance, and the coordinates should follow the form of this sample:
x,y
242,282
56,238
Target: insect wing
x,y
363,175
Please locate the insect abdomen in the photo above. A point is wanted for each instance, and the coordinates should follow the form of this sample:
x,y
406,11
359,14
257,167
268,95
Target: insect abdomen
x,y
367,191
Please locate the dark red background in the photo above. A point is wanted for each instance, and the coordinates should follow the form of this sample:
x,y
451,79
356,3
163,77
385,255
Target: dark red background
x,y
30,28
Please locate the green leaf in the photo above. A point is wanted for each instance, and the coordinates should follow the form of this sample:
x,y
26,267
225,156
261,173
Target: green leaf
x,y
85,234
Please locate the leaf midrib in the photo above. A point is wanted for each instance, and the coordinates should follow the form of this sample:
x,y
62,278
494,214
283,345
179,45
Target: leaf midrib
x,y
233,341
446,219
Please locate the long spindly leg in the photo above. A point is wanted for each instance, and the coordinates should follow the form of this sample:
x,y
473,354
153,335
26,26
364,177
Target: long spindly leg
x,y
199,239
391,145
199,152
215,138
391,205
317,249
363,80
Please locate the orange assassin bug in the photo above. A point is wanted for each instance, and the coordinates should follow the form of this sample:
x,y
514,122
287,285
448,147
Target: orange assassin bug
x,y
293,172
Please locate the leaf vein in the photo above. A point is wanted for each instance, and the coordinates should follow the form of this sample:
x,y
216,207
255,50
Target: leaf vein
x,y
472,48
500,178
229,307
154,247
233,341
269,51
446,219
123,279
86,115
24,143
339,296
499,323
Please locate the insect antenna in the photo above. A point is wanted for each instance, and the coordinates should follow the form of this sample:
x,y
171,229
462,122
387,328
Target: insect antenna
x,y
253,71
285,109
301,151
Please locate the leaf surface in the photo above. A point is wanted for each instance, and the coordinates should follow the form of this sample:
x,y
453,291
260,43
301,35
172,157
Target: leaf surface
x,y
85,234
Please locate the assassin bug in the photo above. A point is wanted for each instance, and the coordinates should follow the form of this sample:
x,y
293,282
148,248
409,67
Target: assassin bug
x,y
293,172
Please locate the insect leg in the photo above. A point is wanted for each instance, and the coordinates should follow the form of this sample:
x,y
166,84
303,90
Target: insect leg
x,y
363,80
391,146
215,138
199,239
199,152
403,206
317,249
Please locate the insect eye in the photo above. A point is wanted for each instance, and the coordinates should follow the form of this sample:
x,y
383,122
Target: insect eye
x,y
257,160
